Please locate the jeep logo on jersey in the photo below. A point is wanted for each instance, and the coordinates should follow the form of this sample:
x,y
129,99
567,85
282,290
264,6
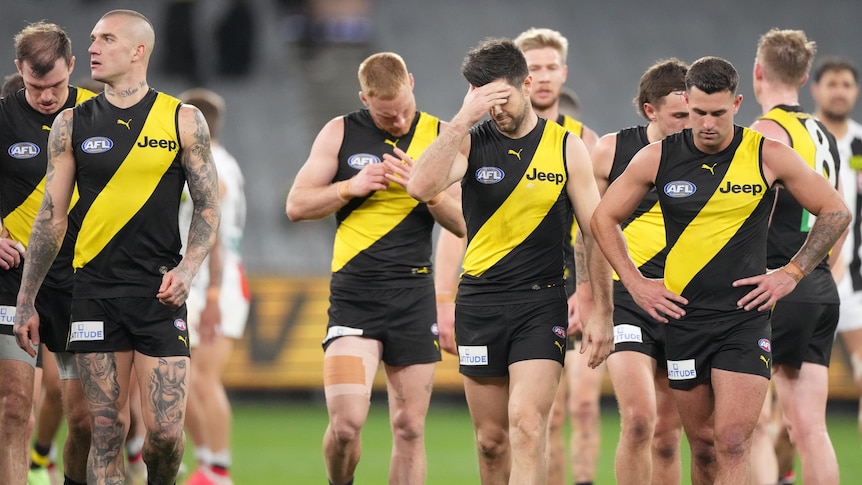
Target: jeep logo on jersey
x,y
361,160
97,144
171,145
489,175
731,187
556,178
679,189
23,150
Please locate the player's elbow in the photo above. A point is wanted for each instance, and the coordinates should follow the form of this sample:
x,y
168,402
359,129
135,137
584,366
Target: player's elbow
x,y
293,210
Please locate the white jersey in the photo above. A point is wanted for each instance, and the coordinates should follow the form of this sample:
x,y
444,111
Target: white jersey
x,y
850,286
234,300
851,179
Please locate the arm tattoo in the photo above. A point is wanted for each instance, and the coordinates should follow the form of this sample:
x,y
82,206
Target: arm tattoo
x,y
826,230
582,275
46,237
203,187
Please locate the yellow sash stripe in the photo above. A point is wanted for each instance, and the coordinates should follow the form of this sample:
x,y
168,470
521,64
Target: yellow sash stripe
x,y
129,188
20,221
645,236
802,142
384,210
521,212
718,221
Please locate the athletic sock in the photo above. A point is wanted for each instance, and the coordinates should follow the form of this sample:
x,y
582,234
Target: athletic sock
x,y
348,483
584,483
69,481
40,456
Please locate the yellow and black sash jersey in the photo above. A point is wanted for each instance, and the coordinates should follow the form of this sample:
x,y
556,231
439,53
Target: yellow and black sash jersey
x,y
23,162
130,181
383,239
517,213
790,223
716,209
644,229
573,126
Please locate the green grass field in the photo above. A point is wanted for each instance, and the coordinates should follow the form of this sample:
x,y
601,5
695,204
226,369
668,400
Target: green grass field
x,y
280,442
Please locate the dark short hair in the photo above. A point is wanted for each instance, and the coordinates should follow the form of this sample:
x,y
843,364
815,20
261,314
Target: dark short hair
x,y
662,78
493,59
712,75
834,64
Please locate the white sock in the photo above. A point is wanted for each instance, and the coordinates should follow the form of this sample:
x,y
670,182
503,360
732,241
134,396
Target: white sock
x,y
221,458
204,455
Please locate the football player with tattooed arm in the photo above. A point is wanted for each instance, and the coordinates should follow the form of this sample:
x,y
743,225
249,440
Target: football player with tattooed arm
x,y
129,150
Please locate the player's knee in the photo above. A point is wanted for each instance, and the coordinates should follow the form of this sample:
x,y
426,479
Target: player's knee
x,y
584,412
15,410
702,452
637,426
528,428
492,445
732,442
166,438
665,450
345,429
408,428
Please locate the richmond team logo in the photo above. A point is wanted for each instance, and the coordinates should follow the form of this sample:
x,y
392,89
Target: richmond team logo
x,y
360,160
180,324
97,144
489,175
679,189
23,150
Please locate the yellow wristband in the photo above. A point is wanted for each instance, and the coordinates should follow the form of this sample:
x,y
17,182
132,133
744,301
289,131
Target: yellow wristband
x,y
343,190
794,270
445,297
436,199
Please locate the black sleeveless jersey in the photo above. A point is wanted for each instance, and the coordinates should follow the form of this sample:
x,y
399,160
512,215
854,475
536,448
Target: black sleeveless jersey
x,y
130,181
644,229
716,209
23,162
383,239
790,223
517,213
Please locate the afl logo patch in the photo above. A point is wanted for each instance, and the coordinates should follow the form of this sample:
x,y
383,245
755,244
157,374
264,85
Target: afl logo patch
x,y
679,189
180,324
23,150
489,175
435,329
765,344
361,160
559,331
97,144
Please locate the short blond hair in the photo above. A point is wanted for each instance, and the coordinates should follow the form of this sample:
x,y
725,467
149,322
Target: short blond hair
x,y
786,55
383,75
537,38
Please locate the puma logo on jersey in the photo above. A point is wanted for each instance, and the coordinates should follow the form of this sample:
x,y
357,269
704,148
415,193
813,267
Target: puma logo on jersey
x,y
46,128
710,168
125,123
559,346
765,361
183,340
393,143
517,154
